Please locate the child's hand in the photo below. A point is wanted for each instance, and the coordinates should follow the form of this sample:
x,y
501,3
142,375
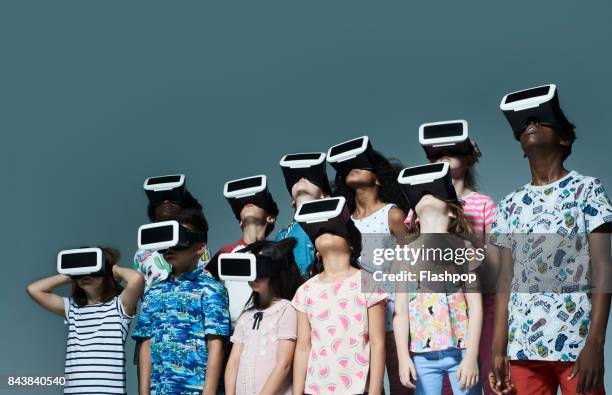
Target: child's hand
x,y
467,373
407,373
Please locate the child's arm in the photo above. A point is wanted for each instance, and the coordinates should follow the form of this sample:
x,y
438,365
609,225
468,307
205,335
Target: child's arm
x,y
231,369
302,351
215,364
41,292
401,331
144,367
396,223
284,359
467,372
133,289
376,331
590,362
499,377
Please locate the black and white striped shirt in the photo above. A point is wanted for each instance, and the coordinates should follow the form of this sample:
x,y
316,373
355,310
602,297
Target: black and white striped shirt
x,y
95,353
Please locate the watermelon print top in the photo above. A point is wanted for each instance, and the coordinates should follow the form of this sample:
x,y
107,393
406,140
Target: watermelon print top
x,y
338,313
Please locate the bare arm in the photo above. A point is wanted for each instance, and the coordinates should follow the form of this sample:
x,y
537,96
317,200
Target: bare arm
x,y
284,360
231,369
590,362
215,364
396,223
302,351
401,331
467,373
144,366
376,329
499,377
133,289
41,292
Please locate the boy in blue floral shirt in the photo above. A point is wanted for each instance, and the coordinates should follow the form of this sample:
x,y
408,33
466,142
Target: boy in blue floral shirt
x,y
182,324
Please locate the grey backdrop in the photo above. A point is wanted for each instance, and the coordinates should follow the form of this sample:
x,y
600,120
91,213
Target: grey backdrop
x,y
96,96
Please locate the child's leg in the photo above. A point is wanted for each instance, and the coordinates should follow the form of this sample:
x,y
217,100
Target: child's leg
x,y
563,370
533,377
452,359
395,384
486,338
430,372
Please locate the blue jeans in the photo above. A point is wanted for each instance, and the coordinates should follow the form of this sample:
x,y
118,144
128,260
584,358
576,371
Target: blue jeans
x,y
433,365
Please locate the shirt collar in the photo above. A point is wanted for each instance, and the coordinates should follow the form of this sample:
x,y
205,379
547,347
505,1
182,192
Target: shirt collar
x,y
190,276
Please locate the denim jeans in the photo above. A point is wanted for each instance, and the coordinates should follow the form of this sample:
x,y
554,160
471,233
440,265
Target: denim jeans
x,y
432,366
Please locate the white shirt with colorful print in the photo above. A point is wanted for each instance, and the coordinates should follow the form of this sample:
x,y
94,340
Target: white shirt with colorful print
x,y
547,229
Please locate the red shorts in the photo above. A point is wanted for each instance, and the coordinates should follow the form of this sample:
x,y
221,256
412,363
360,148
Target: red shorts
x,y
545,377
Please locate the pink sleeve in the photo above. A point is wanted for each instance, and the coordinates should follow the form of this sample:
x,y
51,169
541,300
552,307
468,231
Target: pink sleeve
x,y
299,300
238,335
287,324
375,297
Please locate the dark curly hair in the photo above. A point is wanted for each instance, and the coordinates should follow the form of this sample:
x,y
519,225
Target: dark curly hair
x,y
386,171
190,202
354,239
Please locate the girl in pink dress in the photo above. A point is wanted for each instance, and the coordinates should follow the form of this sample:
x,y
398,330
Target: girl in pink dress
x,y
341,330
264,338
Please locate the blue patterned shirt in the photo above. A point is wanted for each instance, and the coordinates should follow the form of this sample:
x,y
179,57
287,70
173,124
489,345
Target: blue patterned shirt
x,y
177,314
303,251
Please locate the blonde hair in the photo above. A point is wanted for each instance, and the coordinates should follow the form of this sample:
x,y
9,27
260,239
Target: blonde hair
x,y
459,224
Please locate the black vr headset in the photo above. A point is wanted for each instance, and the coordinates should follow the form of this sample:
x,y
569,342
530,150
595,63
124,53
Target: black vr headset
x,y
351,154
162,188
247,190
320,216
445,138
540,104
434,179
246,266
81,262
167,235
308,165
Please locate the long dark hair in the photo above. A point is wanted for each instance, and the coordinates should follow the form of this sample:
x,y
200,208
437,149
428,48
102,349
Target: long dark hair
x,y
354,240
284,283
110,287
386,171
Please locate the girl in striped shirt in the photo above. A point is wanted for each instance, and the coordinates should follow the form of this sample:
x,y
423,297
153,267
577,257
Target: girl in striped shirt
x,y
480,211
98,315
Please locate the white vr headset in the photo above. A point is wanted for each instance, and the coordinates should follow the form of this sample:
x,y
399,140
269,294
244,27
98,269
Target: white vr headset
x,y
80,262
168,187
351,154
445,138
167,235
308,165
434,179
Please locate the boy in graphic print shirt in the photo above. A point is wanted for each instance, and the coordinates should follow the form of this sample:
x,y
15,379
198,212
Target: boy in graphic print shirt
x,y
553,230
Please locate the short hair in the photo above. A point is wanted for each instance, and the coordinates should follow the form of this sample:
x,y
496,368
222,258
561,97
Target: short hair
x,y
194,219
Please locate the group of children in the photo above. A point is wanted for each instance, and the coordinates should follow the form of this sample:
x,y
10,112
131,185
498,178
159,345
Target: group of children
x,y
308,325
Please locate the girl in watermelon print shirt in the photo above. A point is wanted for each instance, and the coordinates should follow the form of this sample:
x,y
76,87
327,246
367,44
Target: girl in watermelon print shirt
x,y
341,331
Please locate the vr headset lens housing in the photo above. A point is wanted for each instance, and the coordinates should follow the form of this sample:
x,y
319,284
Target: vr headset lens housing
x,y
445,138
245,266
539,104
352,154
162,188
324,216
247,190
167,235
308,165
80,262
434,179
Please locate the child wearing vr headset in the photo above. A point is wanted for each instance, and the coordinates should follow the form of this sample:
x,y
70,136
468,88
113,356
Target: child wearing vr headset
x,y
264,338
256,212
368,182
306,180
448,141
184,319
340,328
437,324
555,227
98,314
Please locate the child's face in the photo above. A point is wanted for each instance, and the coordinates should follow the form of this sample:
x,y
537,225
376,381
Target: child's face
x,y
90,284
430,205
330,243
254,214
455,162
260,285
359,177
185,259
166,209
305,188
540,135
